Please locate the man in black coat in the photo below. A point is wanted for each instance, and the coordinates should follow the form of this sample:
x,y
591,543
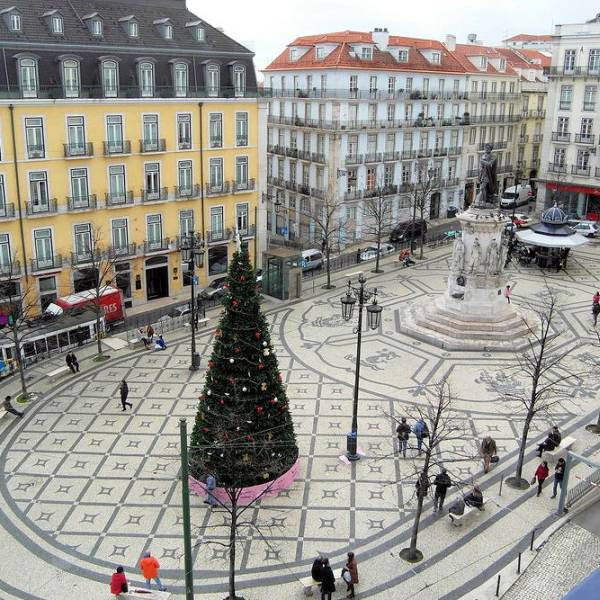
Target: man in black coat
x,y
124,390
442,482
317,570
328,583
551,442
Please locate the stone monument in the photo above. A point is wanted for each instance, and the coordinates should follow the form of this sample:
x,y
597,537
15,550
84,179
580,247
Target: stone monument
x,y
473,314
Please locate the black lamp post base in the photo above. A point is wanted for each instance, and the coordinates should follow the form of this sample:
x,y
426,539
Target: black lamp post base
x,y
352,457
195,362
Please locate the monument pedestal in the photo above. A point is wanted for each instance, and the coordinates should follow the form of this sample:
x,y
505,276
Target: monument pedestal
x,y
473,314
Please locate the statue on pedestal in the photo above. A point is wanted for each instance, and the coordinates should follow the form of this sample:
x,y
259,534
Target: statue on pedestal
x,y
492,258
476,256
458,256
488,184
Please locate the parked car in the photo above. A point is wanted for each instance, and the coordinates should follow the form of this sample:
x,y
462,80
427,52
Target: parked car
x,y
407,231
370,252
516,196
587,228
215,289
521,220
312,259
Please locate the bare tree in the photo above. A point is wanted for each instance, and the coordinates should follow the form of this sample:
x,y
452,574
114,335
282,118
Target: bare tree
x,y
378,221
99,260
420,196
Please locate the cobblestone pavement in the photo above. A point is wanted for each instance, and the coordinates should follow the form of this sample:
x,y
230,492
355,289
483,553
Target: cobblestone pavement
x,y
86,486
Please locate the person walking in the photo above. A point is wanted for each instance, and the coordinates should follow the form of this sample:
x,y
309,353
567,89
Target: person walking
x,y
74,362
211,484
124,390
118,582
559,473
403,432
8,407
328,581
507,293
353,570
541,474
488,449
441,482
420,430
596,298
69,362
595,312
149,567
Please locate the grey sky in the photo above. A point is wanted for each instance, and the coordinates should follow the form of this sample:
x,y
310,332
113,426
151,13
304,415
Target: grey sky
x,y
267,26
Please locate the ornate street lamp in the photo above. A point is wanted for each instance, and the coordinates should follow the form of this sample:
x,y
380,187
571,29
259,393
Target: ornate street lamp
x,y
191,247
511,241
361,295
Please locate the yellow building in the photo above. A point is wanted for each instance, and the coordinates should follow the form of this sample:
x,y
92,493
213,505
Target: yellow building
x,y
138,121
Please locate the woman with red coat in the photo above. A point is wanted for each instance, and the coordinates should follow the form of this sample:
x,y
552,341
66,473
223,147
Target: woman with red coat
x,y
118,583
541,474
353,569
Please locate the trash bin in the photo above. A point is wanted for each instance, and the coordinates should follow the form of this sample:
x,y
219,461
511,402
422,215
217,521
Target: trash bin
x,y
451,212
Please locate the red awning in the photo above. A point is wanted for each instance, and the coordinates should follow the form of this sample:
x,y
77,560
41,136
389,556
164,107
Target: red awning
x,y
574,188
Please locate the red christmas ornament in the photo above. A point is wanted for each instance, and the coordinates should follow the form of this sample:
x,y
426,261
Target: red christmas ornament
x,y
218,333
261,365
211,364
235,303
242,278
237,350
231,381
226,436
205,429
249,438
259,409
257,335
226,286
221,402
273,401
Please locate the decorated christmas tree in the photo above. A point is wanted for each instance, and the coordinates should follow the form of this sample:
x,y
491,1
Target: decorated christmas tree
x,y
243,433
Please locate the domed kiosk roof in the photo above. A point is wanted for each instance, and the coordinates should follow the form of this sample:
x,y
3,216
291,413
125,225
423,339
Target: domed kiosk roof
x,y
553,231
554,222
554,216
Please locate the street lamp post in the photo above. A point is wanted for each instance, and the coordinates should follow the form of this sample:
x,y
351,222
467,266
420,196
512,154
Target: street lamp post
x,y
191,247
361,295
511,242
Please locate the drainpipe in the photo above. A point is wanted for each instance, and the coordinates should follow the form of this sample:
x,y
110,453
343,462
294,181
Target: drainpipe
x,y
200,104
11,108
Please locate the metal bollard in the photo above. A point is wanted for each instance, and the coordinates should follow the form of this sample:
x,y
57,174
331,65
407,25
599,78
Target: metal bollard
x,y
519,564
532,538
498,586
501,482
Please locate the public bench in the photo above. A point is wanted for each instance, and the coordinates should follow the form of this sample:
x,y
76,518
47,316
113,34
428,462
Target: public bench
x,y
58,372
560,451
457,520
308,583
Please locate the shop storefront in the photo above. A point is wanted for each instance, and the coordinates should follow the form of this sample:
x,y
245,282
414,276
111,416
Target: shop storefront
x,y
581,200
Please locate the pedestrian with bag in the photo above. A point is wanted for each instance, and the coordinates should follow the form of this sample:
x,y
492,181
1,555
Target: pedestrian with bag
x,y
541,474
352,569
559,473
124,391
328,582
118,583
488,450
403,432
149,567
74,362
441,482
421,431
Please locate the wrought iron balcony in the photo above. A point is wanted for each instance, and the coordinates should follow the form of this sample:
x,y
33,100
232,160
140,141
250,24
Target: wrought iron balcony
x,y
557,167
243,186
49,207
249,231
580,170
241,140
561,136
10,269
451,182
159,195
218,189
218,235
216,141
184,144
117,147
122,251
151,145
119,198
7,210
160,245
46,263
497,145
81,258
78,150
35,151
186,192
523,139
82,202
584,138
537,138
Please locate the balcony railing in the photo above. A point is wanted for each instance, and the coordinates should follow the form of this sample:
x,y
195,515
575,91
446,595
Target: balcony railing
x,y
185,192
496,145
243,186
557,168
537,138
218,235
122,251
472,172
154,195
7,210
451,182
119,198
580,170
78,150
40,209
561,136
149,146
569,71
82,202
523,139
81,258
535,163
217,189
184,144
46,263
565,105
506,169
249,231
10,269
241,140
35,151
119,147
584,138
389,190
156,245
539,113
589,106
216,142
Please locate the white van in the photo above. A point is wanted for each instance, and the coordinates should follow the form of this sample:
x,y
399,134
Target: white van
x,y
516,196
312,259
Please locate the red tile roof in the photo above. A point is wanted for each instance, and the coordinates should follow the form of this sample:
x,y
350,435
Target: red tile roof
x,y
528,37
545,59
464,52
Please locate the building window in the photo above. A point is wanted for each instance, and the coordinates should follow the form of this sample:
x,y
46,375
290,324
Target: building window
x,y
391,85
371,176
152,181
2,197
15,22
320,53
241,172
200,35
146,79
5,255
44,250
239,80
28,77
559,157
56,24
47,290
34,136
563,125
79,188
436,58
154,231
186,222
96,27
212,80
216,174
569,60
70,73
184,177
180,77
114,134
120,237
110,78
133,29
168,32
583,159
594,60
366,53
184,131
589,97
216,222
215,128
403,56
566,96
241,218
38,191
83,240
76,136
241,128
150,132
116,182
217,259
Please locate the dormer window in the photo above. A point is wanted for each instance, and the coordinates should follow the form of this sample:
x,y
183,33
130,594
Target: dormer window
x,y
133,30
200,34
293,54
320,53
15,22
168,32
165,28
239,80
28,77
180,79
436,58
56,25
502,66
403,56
367,53
484,62
70,75
96,27
212,80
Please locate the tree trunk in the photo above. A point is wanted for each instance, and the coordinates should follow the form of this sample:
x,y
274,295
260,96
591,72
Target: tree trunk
x,y
98,324
523,445
422,236
412,551
232,537
378,250
20,365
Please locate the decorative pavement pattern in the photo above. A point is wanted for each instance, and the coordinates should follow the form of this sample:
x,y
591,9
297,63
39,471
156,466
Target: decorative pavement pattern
x,y
86,486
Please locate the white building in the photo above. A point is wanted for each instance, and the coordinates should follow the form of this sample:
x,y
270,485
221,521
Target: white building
x,y
529,41
570,170
355,115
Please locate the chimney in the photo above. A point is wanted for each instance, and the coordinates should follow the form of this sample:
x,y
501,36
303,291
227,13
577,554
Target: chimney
x,y
450,42
380,37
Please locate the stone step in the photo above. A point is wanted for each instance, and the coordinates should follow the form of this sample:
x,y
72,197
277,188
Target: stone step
x,y
449,330
457,318
514,325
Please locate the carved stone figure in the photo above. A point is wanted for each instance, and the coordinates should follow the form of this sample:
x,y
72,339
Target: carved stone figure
x,y
476,256
458,256
502,258
488,184
492,258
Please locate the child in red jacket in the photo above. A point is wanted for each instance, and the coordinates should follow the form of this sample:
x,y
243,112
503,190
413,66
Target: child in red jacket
x,y
118,582
541,474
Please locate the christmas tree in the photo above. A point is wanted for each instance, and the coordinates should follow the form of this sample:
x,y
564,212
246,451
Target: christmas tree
x,y
243,433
